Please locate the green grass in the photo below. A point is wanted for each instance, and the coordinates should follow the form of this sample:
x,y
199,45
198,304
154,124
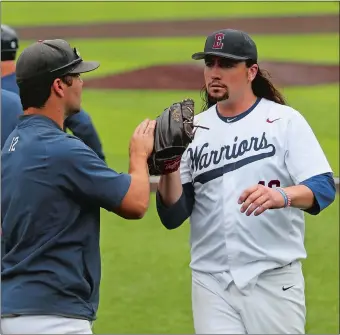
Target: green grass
x,y
116,55
320,106
38,13
321,270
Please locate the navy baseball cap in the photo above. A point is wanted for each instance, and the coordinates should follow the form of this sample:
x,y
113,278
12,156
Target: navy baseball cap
x,y
50,59
229,43
9,39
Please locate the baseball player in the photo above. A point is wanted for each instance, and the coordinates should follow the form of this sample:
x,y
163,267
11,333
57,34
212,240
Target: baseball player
x,y
53,186
11,109
246,183
80,124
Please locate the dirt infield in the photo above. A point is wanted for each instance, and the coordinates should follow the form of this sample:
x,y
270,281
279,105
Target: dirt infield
x,y
199,27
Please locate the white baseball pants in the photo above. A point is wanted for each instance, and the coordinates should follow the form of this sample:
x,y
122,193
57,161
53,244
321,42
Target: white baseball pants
x,y
44,324
276,304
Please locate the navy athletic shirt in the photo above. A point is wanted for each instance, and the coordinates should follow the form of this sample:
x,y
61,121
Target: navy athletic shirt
x,y
80,124
9,83
11,109
53,186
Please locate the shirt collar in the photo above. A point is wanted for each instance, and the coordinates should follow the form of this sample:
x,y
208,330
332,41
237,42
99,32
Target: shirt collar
x,y
231,119
26,120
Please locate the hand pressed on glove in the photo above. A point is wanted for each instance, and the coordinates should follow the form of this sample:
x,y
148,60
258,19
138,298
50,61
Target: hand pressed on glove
x,y
173,134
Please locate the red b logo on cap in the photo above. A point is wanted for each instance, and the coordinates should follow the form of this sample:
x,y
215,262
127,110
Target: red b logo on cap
x,y
218,41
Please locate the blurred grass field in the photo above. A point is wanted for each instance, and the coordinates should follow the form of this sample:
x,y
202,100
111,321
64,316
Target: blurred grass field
x,y
146,278
75,12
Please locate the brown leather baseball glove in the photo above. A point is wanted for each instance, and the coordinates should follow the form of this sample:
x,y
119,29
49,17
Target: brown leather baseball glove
x,y
173,133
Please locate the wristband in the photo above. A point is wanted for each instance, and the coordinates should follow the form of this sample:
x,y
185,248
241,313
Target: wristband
x,y
286,197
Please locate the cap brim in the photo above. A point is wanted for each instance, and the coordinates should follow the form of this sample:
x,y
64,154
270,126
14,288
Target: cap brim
x,y
85,67
202,55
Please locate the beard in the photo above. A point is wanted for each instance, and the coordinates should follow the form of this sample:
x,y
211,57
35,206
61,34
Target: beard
x,y
215,95
221,97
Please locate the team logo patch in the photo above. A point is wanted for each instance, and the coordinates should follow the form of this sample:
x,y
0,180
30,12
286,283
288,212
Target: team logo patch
x,y
218,43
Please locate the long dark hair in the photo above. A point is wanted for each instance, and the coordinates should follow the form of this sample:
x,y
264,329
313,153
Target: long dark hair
x,y
261,85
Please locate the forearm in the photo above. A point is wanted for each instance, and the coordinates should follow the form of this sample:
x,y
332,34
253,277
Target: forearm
x,y
138,169
301,196
136,201
173,216
312,195
170,188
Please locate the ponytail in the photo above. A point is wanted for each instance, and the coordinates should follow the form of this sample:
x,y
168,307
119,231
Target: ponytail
x,y
264,88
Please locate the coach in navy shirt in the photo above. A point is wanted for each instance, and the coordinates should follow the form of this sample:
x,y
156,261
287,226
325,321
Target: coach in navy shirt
x,y
11,109
53,186
80,124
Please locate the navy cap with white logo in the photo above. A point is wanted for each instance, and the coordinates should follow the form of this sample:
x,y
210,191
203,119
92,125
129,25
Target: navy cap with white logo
x,y
50,59
9,39
229,43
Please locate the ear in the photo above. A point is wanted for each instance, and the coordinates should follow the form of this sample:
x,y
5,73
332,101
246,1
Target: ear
x,y
252,71
58,87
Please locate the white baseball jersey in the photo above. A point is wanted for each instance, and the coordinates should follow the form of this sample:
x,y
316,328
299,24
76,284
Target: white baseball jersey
x,y
271,144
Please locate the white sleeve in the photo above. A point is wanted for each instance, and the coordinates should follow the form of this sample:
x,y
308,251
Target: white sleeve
x,y
185,170
304,156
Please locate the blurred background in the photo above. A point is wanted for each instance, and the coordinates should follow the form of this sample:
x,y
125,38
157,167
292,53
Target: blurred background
x,y
145,53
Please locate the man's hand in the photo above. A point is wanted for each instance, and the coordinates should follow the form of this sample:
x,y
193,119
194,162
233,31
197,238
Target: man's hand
x,y
142,140
259,198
